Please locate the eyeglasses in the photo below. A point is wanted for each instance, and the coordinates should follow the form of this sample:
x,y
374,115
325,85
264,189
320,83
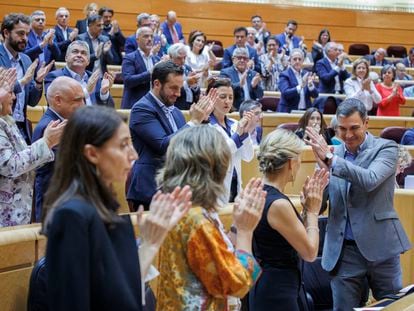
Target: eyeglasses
x,y
241,58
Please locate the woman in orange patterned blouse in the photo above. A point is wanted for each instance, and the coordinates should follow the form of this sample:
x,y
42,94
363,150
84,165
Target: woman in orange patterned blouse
x,y
199,266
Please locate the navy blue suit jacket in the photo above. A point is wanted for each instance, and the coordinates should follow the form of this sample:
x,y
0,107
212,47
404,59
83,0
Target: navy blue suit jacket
x,y
290,97
327,76
32,94
61,42
33,50
282,39
406,62
45,172
371,60
151,133
106,59
167,33
95,97
228,53
131,44
137,79
82,25
255,93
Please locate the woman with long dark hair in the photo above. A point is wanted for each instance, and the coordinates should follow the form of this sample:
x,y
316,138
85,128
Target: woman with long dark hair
x,y
313,118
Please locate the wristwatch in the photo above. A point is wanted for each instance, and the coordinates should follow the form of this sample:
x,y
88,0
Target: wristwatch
x,y
328,156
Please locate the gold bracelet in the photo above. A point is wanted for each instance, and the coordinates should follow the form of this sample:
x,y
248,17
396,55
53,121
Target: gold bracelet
x,y
312,228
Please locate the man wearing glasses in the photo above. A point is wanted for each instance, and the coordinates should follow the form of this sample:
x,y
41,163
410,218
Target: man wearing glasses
x,y
64,35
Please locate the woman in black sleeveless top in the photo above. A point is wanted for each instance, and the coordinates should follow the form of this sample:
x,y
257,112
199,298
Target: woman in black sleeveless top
x,y
282,236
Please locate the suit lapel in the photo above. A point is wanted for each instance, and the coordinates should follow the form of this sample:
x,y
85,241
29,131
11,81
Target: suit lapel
x,y
343,183
163,118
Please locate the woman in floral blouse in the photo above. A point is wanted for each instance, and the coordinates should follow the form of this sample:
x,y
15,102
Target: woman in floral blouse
x,y
199,266
17,160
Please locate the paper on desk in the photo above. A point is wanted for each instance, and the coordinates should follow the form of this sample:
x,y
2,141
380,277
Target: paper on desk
x,y
368,309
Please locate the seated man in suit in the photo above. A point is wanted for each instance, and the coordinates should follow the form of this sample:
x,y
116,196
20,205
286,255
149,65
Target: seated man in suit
x,y
64,96
153,122
99,45
244,81
401,73
190,91
111,29
288,40
137,67
240,38
378,59
96,89
64,35
332,74
296,85
143,20
172,30
40,43
409,60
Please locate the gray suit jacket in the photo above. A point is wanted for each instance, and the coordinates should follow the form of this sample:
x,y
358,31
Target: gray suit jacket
x,y
375,224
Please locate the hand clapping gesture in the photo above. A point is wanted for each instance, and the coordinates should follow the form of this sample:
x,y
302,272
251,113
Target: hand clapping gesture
x,y
53,132
93,80
312,191
319,146
107,82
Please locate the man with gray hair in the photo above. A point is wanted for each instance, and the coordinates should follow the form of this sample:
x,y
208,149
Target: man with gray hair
x,y
40,43
172,30
190,92
96,87
244,81
364,237
137,67
378,58
64,96
64,34
143,20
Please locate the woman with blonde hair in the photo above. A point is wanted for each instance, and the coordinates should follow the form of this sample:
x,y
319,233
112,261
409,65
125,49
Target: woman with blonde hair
x,y
360,86
282,237
199,266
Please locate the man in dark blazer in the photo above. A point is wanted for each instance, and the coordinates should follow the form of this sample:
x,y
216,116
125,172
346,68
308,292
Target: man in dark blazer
x,y
172,30
96,88
131,45
288,40
136,70
244,81
64,35
64,96
332,74
28,88
378,58
364,237
41,44
240,37
111,29
409,60
153,122
296,85
99,45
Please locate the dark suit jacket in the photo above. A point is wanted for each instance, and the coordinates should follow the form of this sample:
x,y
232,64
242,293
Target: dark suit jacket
x,y
131,44
137,79
327,76
118,42
228,53
289,94
255,93
82,25
44,173
95,97
282,39
106,59
181,102
151,133
61,42
33,50
406,62
84,256
167,33
32,94
371,60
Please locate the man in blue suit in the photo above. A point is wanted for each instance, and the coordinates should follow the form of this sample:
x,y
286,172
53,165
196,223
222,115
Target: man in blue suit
x,y
99,45
137,67
131,45
244,81
28,88
153,122
296,85
409,60
112,30
332,74
378,58
288,40
240,37
64,35
364,237
64,96
41,44
96,88
172,30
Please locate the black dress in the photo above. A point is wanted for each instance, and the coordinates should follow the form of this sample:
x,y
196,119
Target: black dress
x,y
278,286
90,265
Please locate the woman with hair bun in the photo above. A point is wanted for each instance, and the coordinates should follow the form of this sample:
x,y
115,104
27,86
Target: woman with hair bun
x,y
282,237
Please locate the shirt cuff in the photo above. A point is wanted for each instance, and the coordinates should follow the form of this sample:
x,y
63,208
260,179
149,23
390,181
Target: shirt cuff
x,y
299,88
104,96
238,139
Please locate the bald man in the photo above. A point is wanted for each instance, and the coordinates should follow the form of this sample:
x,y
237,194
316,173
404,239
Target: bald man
x,y
172,30
64,96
